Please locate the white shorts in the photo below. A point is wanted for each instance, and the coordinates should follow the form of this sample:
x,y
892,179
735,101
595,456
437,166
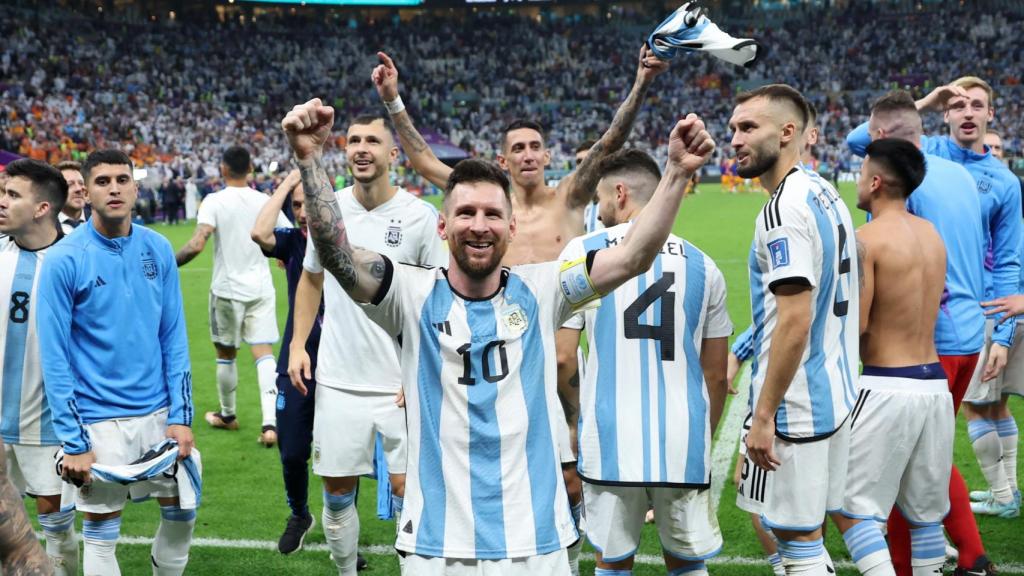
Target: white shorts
x,y
345,427
1010,381
33,469
901,447
750,492
232,321
122,441
809,482
685,519
551,564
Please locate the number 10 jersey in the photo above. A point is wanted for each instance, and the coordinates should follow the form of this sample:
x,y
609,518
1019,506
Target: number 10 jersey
x,y
644,406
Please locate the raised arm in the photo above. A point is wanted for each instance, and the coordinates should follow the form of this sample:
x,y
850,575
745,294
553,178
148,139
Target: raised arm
x,y
581,186
937,99
263,230
426,164
358,271
689,147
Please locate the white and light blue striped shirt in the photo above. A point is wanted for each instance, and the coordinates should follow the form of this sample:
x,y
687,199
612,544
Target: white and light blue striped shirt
x,y
591,223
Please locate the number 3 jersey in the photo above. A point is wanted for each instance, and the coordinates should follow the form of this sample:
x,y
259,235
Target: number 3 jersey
x,y
644,406
483,479
804,236
25,416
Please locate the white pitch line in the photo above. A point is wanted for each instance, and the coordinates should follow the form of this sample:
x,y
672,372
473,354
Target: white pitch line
x,y
729,432
380,550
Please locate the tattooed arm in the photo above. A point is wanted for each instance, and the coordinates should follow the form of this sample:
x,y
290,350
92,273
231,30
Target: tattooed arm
x,y
567,341
866,274
580,186
426,164
358,271
195,245
20,552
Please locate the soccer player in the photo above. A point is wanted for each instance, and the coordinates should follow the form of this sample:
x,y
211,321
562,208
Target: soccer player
x,y
243,303
967,107
20,552
805,340
547,217
591,214
994,143
29,204
358,374
654,390
904,397
115,362
484,487
73,213
294,410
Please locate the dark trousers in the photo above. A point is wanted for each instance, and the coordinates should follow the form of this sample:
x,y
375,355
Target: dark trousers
x,y
295,440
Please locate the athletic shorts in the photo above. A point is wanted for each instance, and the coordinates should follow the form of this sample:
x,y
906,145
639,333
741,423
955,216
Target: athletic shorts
x,y
809,482
122,441
1010,381
686,521
232,321
750,491
33,469
551,564
901,445
345,427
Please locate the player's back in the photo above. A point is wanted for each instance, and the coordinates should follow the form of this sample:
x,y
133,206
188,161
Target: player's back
x,y
908,259
240,270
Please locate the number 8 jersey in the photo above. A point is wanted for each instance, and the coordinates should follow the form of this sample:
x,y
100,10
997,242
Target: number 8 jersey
x,y
804,236
483,479
644,406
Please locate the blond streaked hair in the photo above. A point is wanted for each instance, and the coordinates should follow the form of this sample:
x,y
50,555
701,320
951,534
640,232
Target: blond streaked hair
x,y
968,82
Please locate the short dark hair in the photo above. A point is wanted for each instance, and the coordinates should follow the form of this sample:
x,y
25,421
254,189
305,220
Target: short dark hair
x,y
105,156
238,161
48,184
69,165
474,170
585,145
369,118
628,160
519,125
812,113
779,93
895,101
899,159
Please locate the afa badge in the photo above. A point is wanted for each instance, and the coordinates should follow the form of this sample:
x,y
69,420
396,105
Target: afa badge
x,y
779,250
149,268
393,236
515,321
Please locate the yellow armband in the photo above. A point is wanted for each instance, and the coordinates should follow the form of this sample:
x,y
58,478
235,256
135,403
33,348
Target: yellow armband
x,y
576,285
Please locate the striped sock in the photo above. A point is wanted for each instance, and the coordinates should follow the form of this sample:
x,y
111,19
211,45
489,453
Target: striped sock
x,y
1008,437
227,383
867,547
610,572
173,540
695,569
776,561
989,450
100,537
800,557
927,550
61,543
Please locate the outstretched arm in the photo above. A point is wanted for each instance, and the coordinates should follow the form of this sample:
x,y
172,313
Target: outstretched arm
x,y
195,245
263,230
581,185
358,271
426,164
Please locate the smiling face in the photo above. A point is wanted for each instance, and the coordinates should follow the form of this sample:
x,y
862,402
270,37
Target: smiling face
x,y
112,191
370,151
524,156
756,137
478,226
76,190
968,117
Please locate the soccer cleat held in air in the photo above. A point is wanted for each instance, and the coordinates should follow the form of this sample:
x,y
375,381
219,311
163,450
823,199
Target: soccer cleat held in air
x,y
218,420
295,533
689,29
990,507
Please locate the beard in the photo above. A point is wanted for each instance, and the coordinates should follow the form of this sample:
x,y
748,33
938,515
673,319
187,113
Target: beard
x,y
378,171
761,162
477,269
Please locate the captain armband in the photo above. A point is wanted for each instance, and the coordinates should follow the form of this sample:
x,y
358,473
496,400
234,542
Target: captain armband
x,y
574,279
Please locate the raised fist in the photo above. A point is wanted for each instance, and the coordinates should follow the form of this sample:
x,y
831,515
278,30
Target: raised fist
x,y
689,145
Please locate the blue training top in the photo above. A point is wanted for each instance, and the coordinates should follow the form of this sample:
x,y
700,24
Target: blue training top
x,y
112,332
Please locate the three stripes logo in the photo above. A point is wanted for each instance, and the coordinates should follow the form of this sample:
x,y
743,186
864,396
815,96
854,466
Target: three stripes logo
x,y
444,327
99,282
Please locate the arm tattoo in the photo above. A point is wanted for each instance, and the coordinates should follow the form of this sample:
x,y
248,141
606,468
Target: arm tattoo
x,y
408,133
862,251
583,185
326,225
20,552
574,380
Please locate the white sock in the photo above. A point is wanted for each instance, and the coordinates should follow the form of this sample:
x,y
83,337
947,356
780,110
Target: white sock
x,y
867,547
574,550
1008,437
227,383
805,558
341,529
927,550
989,451
397,503
172,541
61,541
100,537
266,376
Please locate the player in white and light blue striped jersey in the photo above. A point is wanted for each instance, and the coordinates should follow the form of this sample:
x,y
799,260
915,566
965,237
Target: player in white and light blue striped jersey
x,y
805,304
484,488
654,386
29,204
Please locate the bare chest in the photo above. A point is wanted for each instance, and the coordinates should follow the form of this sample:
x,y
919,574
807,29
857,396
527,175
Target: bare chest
x,y
542,234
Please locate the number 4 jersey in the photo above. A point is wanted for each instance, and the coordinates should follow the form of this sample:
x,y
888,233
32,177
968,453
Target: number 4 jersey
x,y
804,236
644,407
483,479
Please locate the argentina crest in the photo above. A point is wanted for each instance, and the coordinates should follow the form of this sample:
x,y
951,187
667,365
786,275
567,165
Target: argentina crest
x,y
393,236
149,268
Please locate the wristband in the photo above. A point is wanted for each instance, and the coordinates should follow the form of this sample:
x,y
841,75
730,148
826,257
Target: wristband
x,y
395,106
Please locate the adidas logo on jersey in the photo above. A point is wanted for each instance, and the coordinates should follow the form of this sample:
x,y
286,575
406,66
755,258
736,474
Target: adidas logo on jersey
x,y
100,281
444,327
408,527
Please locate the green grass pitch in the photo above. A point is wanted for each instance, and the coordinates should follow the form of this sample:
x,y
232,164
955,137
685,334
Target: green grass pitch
x,y
244,508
